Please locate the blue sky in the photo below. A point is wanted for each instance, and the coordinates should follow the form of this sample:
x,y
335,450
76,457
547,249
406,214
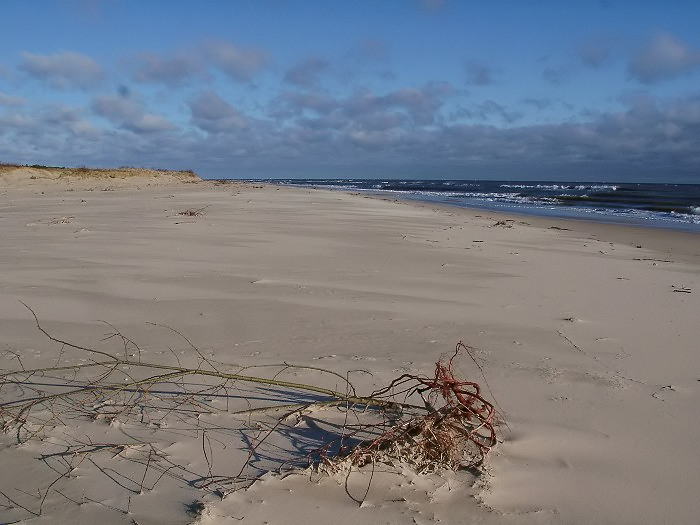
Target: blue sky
x,y
568,90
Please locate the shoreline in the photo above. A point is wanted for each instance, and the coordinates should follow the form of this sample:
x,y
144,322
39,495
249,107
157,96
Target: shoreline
x,y
588,344
662,240
559,211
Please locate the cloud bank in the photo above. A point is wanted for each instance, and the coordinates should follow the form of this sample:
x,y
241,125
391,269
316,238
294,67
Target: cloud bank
x,y
228,110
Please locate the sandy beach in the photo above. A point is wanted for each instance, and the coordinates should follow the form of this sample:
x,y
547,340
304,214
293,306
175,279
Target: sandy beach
x,y
587,335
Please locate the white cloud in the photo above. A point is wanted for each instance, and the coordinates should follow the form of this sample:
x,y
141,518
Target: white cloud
x,y
370,50
129,115
16,122
663,57
115,107
421,104
213,114
68,119
66,70
290,103
307,73
9,100
487,110
478,74
173,70
557,75
240,64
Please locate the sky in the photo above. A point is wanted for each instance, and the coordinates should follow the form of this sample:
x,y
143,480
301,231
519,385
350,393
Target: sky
x,y
471,89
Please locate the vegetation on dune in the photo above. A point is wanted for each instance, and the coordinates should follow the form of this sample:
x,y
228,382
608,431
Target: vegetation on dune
x,y
87,172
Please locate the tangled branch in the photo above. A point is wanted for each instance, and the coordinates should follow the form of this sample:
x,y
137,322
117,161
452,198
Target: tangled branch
x,y
456,430
428,422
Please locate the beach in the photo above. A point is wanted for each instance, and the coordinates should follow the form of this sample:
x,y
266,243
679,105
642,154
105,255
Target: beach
x,y
587,335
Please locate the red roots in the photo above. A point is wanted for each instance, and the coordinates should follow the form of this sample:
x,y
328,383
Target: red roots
x,y
458,429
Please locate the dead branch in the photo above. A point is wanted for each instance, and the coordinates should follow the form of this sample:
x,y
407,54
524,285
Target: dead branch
x,y
429,423
192,212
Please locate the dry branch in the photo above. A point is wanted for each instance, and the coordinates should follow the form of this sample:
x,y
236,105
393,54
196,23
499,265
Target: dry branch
x,y
428,422
193,212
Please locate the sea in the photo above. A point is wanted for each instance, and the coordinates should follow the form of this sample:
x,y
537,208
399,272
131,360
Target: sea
x,y
653,205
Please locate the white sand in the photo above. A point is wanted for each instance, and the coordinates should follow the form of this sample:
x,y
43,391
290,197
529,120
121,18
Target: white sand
x,y
589,344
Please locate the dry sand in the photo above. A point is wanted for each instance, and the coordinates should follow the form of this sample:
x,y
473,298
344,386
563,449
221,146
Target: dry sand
x,y
588,336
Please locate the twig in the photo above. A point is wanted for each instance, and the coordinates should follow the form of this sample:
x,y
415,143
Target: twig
x,y
8,498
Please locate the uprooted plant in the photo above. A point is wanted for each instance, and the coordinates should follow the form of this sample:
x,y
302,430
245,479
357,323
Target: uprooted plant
x,y
456,429
427,422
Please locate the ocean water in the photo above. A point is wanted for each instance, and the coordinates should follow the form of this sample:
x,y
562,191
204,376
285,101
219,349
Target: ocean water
x,y
671,206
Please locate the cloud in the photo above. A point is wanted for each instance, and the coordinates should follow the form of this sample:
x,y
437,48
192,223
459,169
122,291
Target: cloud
x,y
375,139
540,104
127,114
489,109
646,139
45,134
363,110
213,114
306,74
557,75
478,74
369,50
291,103
68,119
174,70
240,64
404,131
16,122
9,100
663,57
67,70
116,107
421,104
